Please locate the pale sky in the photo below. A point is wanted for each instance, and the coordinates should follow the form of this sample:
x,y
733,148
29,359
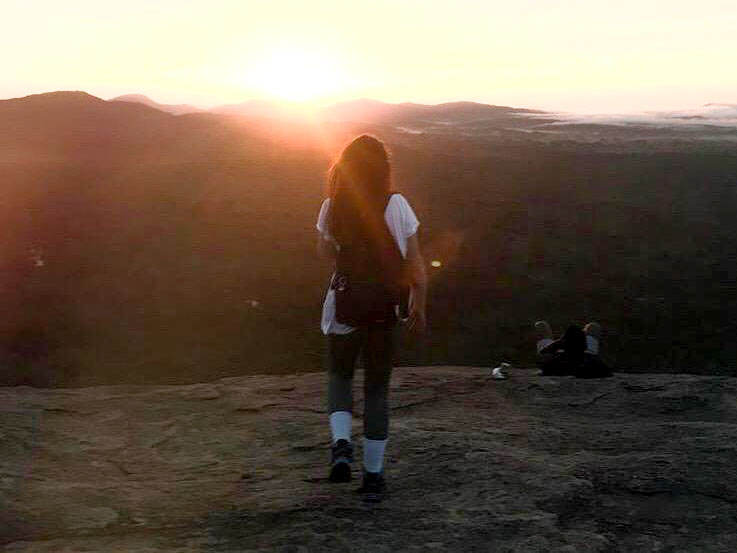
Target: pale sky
x,y
573,55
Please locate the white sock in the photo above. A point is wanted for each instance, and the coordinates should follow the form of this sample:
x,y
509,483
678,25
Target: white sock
x,y
544,342
340,425
373,455
592,345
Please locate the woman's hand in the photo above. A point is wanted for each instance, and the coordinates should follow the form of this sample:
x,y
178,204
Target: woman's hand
x,y
417,321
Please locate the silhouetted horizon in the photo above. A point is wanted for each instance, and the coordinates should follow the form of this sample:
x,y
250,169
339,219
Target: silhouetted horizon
x,y
707,113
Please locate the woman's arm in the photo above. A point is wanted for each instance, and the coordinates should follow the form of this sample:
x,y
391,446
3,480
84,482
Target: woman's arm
x,y
553,347
326,248
418,286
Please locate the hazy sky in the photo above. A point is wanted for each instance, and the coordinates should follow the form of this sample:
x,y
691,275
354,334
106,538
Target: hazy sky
x,y
576,55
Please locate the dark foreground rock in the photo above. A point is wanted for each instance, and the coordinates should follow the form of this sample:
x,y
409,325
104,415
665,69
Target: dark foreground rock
x,y
631,463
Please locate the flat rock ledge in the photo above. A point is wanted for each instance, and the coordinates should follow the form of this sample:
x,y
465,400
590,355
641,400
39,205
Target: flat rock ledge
x,y
631,463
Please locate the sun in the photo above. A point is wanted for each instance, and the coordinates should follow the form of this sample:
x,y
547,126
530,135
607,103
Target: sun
x,y
296,75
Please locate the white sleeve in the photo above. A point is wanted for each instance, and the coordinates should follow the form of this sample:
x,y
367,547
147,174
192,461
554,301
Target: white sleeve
x,y
409,222
322,220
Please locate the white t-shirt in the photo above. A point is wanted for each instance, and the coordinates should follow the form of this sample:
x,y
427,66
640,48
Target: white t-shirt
x,y
402,223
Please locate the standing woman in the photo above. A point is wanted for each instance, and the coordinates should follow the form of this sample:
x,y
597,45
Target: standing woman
x,y
370,233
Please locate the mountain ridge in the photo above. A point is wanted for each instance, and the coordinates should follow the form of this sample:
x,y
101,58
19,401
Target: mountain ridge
x,y
375,109
174,109
475,116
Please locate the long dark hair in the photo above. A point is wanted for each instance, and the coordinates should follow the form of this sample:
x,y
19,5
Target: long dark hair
x,y
359,185
574,342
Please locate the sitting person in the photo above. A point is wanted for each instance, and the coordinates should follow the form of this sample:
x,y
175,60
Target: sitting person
x,y
576,353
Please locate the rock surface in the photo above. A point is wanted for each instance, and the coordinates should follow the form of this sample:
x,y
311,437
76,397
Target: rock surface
x,y
630,463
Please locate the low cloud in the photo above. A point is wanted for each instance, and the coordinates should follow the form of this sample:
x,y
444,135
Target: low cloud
x,y
721,115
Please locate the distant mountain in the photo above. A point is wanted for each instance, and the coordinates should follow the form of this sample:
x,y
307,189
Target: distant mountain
x,y
375,112
57,125
74,105
174,109
18,110
364,110
262,109
372,111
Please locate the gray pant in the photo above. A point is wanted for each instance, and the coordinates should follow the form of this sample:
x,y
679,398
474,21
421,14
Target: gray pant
x,y
376,345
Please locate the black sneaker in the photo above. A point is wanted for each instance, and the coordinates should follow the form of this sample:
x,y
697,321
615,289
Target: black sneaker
x,y
373,488
340,470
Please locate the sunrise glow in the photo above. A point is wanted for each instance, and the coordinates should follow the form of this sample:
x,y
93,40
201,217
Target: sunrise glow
x,y
295,75
569,55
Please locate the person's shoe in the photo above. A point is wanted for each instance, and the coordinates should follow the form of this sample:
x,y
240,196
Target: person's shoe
x,y
373,488
340,469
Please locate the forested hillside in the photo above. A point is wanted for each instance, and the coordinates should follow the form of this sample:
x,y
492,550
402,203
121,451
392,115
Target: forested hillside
x,y
141,246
